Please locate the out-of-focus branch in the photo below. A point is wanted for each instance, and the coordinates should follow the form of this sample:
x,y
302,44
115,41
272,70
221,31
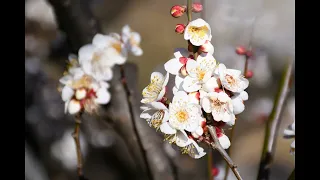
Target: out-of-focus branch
x,y
77,21
272,126
216,145
292,175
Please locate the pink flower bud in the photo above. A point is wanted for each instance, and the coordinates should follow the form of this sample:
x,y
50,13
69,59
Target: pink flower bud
x,y
180,28
177,11
249,74
241,50
183,60
196,7
249,54
207,47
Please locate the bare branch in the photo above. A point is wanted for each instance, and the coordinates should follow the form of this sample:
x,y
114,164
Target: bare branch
x,y
216,145
272,126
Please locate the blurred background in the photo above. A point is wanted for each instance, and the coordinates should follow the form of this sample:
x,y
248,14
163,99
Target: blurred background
x,y
49,148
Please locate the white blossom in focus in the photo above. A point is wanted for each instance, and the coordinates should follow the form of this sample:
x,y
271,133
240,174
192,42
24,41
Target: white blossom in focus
x,y
131,40
238,102
173,66
207,47
199,72
155,114
198,32
183,115
156,89
232,79
219,104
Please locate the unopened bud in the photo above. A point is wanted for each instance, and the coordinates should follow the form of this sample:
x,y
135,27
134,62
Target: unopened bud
x,y
249,54
249,74
81,94
74,106
241,50
180,28
177,11
183,71
196,7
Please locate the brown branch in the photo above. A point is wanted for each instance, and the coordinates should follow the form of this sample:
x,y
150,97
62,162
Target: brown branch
x,y
216,145
76,138
272,126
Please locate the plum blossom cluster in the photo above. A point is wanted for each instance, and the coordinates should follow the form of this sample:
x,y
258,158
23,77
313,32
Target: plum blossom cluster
x,y
289,133
85,83
202,88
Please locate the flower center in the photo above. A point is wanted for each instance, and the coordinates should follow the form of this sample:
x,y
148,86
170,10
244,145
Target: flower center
x,y
84,82
182,116
96,57
156,119
230,80
201,74
216,104
117,47
199,31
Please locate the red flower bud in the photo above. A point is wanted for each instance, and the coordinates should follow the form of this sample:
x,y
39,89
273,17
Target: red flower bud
x,y
241,50
177,11
249,74
215,171
249,53
180,28
197,7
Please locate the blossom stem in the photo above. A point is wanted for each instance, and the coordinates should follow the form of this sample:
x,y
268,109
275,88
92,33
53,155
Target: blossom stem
x,y
292,175
216,145
246,63
272,126
75,136
189,10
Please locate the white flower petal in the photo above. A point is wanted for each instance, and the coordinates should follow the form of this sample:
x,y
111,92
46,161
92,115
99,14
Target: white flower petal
x,y
103,96
206,104
167,129
244,95
191,67
238,106
74,106
224,141
158,105
173,66
67,93
178,80
86,53
181,52
190,84
182,139
136,50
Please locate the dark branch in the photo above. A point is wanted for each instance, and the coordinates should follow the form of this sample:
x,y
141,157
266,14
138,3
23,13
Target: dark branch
x,y
272,126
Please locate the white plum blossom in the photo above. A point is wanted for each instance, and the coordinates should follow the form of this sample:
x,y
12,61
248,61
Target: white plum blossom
x,y
219,104
96,62
201,88
83,92
183,115
156,89
237,102
181,56
232,79
198,32
290,133
199,72
155,114
131,40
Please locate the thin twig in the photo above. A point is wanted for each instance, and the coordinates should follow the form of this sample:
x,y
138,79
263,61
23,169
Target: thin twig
x,y
273,123
130,104
227,167
76,138
210,155
292,175
216,145
189,10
